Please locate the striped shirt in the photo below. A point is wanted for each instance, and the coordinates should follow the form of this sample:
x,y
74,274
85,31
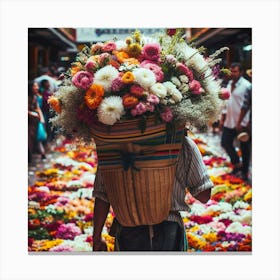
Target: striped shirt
x,y
191,173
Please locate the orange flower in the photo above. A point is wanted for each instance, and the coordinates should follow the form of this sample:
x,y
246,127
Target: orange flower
x,y
129,101
121,56
55,104
76,68
132,60
128,78
93,96
114,63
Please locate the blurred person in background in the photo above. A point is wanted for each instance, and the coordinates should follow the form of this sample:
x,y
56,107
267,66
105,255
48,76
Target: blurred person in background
x,y
35,116
46,74
238,87
46,93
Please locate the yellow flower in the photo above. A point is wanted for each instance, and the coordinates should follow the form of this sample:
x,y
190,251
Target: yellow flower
x,y
248,196
134,50
210,236
75,68
137,36
128,78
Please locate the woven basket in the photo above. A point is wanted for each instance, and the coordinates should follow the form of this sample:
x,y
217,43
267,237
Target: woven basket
x,y
138,170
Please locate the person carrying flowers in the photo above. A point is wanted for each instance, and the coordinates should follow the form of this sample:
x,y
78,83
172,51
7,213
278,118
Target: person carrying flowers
x,y
168,235
133,98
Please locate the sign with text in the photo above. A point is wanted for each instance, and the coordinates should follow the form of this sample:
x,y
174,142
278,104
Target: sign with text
x,y
105,34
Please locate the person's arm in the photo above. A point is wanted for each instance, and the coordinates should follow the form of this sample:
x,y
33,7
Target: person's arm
x,y
241,117
204,196
247,102
198,181
222,120
101,210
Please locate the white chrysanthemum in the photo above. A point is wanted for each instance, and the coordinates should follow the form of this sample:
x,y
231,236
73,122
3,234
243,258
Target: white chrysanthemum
x,y
105,76
159,90
240,204
198,63
144,77
175,81
211,86
245,217
238,228
33,204
184,88
110,110
225,207
184,79
176,95
169,86
197,209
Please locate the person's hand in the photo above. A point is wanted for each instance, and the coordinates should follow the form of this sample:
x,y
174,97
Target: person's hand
x,y
221,125
239,128
99,245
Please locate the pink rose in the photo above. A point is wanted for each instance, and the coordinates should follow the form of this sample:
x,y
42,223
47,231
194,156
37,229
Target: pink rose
x,y
153,99
96,48
150,107
137,90
91,65
154,68
167,115
185,70
103,57
139,109
82,79
109,47
151,51
224,94
117,84
195,87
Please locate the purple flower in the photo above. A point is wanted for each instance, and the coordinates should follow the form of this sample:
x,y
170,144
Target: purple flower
x,y
82,79
68,231
117,84
216,71
61,248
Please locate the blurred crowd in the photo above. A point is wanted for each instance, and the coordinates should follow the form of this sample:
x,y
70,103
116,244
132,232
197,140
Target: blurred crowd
x,y
40,132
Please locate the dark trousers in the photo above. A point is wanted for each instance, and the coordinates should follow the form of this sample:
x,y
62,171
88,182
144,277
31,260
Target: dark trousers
x,y
166,236
228,137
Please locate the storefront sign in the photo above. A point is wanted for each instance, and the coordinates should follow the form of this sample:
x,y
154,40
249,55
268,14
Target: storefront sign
x,y
104,34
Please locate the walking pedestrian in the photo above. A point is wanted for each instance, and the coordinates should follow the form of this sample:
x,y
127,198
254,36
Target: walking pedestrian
x,y
239,87
36,132
48,113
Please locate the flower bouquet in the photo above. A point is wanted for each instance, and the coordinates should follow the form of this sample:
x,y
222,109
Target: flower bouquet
x,y
134,97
